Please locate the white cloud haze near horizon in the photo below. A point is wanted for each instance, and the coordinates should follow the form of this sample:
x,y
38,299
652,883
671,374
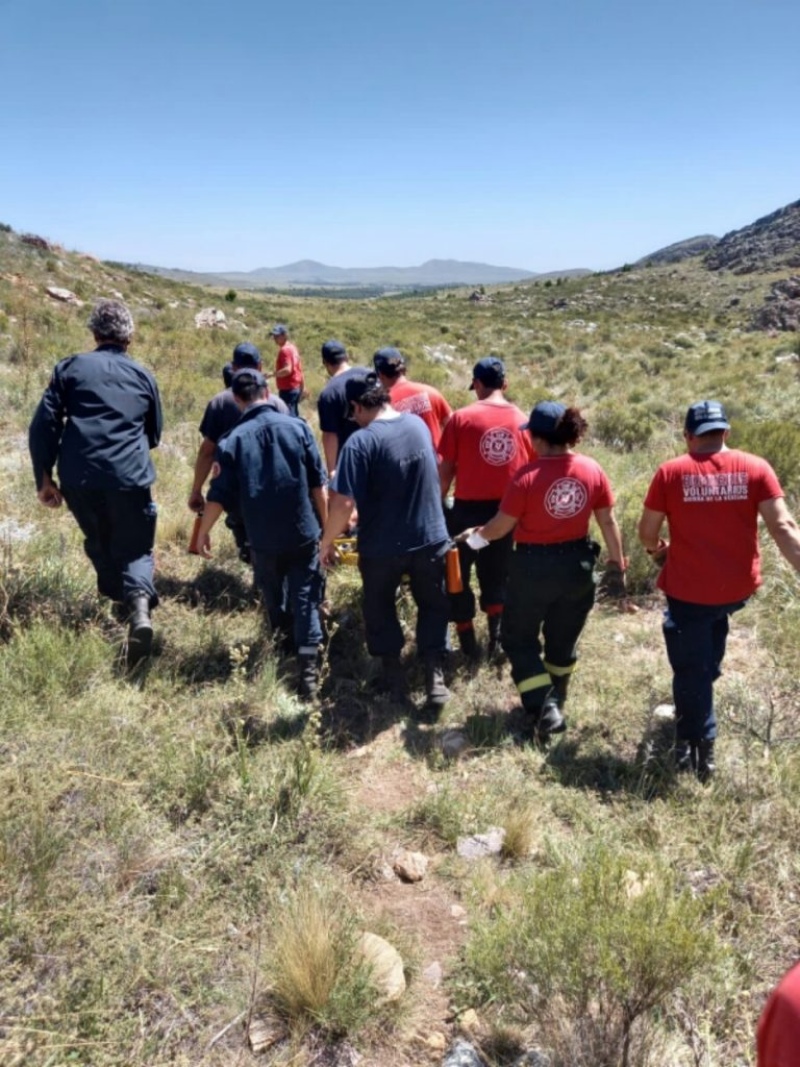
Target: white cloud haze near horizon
x,y
517,134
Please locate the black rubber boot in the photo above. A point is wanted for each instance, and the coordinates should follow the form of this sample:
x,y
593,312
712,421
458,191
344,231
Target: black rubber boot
x,y
308,675
436,692
494,648
560,688
706,763
551,721
468,643
140,628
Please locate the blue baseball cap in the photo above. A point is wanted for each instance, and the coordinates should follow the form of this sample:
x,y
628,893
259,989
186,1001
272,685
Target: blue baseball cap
x,y
545,417
489,371
334,351
388,359
704,417
246,355
279,329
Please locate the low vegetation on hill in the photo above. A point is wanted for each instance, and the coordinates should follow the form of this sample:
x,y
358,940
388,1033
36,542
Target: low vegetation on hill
x,y
190,859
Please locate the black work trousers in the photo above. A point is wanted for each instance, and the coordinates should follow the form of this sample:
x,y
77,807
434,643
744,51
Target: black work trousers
x,y
119,528
491,563
551,591
382,577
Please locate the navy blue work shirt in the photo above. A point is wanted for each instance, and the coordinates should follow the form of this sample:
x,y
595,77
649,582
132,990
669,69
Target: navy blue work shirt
x,y
269,463
99,417
389,469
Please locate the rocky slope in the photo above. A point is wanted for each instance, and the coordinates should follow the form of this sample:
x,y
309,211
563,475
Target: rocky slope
x,y
771,243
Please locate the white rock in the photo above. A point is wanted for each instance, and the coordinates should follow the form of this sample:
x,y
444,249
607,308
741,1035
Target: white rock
x,y
210,319
66,296
664,711
478,845
386,965
410,866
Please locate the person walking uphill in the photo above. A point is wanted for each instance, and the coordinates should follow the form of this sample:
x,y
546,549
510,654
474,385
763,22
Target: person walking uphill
x,y
388,470
333,407
417,398
711,497
288,370
98,419
271,473
221,414
551,585
482,446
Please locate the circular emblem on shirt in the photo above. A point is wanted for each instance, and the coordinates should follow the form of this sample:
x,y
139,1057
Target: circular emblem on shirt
x,y
498,446
565,498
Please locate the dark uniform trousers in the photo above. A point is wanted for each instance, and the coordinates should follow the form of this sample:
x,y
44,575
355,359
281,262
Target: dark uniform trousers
x,y
695,636
551,590
491,563
382,576
291,398
119,527
292,587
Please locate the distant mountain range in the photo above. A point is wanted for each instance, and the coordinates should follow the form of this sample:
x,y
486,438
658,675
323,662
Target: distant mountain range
x,y
309,273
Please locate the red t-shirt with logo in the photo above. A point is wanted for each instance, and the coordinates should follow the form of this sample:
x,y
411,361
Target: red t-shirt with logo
x,y
553,499
711,502
485,443
288,356
778,1037
418,398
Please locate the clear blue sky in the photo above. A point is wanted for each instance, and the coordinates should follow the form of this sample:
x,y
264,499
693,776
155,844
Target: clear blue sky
x,y
543,134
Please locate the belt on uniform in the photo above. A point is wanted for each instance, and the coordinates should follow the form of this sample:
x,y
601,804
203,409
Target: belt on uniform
x,y
559,548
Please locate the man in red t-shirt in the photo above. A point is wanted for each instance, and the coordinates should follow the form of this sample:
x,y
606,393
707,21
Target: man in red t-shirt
x,y
778,1037
482,447
288,370
415,398
712,498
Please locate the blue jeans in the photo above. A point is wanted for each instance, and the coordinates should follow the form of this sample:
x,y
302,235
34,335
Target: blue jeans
x,y
302,593
382,577
695,636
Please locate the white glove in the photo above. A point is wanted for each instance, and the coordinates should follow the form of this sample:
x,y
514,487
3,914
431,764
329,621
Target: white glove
x,y
477,541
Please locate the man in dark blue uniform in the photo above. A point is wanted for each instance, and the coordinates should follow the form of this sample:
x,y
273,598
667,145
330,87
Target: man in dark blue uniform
x,y
268,468
221,415
387,469
98,418
333,406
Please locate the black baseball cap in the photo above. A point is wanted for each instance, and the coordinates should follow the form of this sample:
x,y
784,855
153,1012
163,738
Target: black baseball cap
x,y
389,360
248,376
334,352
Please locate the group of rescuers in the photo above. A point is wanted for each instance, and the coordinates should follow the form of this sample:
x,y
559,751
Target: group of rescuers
x,y
391,450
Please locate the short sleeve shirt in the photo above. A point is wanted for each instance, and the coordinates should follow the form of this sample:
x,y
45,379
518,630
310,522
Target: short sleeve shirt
x,y
288,356
223,413
487,446
778,1038
711,502
553,498
333,407
389,469
418,398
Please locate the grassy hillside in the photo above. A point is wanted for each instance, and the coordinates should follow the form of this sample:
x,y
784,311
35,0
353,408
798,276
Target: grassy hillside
x,y
189,854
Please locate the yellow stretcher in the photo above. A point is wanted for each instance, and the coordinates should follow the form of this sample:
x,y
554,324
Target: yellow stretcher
x,y
346,547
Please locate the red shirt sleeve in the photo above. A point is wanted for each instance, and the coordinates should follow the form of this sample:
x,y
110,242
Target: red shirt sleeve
x,y
778,1038
447,445
656,499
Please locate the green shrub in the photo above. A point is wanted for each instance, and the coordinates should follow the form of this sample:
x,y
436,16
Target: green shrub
x,y
600,942
777,442
623,427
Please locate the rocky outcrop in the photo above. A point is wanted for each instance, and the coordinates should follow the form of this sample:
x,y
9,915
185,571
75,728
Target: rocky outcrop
x,y
767,244
693,246
66,296
210,319
781,309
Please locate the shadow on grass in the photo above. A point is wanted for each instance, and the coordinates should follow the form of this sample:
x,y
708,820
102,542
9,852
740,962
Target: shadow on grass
x,y
214,588
650,775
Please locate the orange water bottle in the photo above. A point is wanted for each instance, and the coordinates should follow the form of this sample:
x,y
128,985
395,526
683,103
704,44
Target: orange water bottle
x,y
454,581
